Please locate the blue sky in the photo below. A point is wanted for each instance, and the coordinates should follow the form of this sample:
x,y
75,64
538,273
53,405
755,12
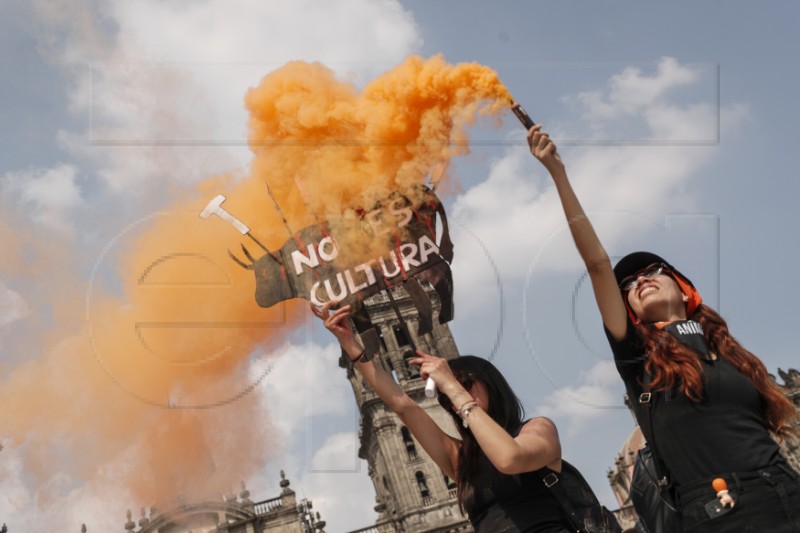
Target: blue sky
x,y
677,121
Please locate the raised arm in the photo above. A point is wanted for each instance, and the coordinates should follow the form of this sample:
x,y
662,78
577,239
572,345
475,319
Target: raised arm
x,y
537,444
598,264
442,448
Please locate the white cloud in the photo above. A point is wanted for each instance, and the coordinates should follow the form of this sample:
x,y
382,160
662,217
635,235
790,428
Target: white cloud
x,y
245,31
305,386
516,211
631,90
12,305
519,225
15,497
46,195
345,499
597,390
300,386
175,75
99,503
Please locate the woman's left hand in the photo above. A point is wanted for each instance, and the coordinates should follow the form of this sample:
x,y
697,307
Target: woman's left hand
x,y
337,321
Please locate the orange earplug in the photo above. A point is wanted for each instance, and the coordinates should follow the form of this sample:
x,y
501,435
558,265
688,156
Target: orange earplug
x,y
719,484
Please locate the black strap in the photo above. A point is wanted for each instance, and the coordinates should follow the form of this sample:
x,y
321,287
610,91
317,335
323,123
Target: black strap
x,y
577,500
551,481
643,407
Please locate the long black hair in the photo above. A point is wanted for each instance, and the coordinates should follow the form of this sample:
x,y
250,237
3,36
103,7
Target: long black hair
x,y
504,408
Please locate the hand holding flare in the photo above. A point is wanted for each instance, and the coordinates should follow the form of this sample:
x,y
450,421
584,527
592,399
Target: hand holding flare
x,y
522,115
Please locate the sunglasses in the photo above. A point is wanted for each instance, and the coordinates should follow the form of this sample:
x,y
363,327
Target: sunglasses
x,y
649,272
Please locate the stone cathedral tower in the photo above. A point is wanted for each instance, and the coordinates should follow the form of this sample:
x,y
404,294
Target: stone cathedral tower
x,y
412,494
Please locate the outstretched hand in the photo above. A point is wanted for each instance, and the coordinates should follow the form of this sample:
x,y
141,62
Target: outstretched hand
x,y
543,149
337,322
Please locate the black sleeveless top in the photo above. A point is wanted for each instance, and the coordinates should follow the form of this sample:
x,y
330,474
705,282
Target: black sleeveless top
x,y
723,433
514,504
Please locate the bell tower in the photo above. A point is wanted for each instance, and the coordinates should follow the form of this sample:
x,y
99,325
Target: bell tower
x,y
412,493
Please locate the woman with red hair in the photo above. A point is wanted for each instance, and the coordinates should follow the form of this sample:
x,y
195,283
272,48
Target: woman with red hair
x,y
716,408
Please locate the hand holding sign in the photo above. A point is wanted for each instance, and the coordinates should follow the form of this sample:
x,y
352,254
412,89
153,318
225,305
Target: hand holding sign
x,y
338,323
309,265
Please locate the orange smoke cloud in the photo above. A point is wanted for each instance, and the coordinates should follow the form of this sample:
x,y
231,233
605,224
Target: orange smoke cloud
x,y
160,368
325,148
159,374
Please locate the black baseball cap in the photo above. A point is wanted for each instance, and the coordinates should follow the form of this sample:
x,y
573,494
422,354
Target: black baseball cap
x,y
636,261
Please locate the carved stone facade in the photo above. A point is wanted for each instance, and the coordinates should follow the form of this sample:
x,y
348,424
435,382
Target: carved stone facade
x,y
236,513
791,447
620,475
412,495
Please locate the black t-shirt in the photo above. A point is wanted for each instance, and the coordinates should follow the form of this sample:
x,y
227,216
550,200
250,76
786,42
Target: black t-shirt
x,y
722,433
514,504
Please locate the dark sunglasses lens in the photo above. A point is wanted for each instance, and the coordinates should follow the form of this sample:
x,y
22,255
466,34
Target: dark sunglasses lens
x,y
653,271
631,281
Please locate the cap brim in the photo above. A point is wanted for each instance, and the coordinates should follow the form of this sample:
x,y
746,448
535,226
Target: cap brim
x,y
632,263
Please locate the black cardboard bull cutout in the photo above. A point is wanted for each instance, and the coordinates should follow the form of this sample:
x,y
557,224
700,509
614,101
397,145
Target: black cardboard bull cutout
x,y
311,265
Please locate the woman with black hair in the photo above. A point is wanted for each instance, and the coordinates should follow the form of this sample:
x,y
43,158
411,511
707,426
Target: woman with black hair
x,y
715,408
500,461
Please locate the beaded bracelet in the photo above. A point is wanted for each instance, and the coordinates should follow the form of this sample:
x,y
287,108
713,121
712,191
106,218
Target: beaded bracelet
x,y
465,404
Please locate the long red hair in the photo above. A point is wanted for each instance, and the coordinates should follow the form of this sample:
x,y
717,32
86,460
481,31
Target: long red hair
x,y
674,365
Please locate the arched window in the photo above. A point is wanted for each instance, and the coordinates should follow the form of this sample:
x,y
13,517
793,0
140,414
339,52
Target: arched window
x,y
380,337
422,484
449,482
411,449
400,336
